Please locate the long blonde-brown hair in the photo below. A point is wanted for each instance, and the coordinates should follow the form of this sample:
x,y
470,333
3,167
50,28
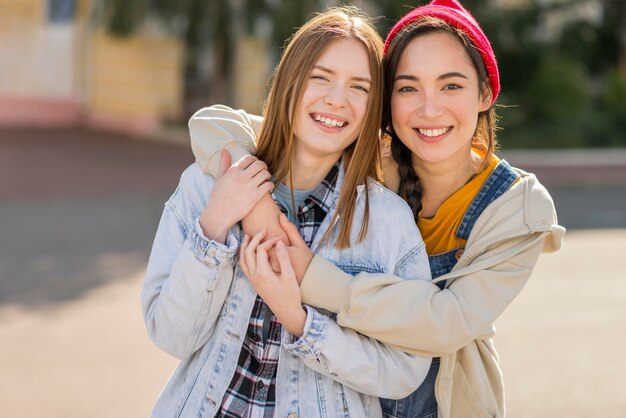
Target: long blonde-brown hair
x,y
275,144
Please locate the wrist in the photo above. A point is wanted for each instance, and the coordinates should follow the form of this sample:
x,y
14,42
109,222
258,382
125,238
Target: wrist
x,y
264,215
212,228
297,323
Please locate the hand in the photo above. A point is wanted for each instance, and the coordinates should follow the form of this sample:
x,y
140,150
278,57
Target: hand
x,y
236,191
280,291
300,254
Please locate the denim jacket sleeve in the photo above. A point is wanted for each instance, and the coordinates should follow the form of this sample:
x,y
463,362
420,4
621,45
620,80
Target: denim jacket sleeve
x,y
359,362
188,276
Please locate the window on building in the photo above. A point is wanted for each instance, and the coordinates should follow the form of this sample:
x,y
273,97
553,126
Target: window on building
x,y
61,10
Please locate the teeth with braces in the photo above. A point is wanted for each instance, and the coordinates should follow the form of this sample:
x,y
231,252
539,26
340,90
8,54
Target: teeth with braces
x,y
433,132
331,123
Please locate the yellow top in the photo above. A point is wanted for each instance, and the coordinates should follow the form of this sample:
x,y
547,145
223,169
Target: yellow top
x,y
439,232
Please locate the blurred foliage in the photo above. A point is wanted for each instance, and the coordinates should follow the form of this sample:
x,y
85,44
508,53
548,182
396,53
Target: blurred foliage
x,y
613,110
123,17
562,89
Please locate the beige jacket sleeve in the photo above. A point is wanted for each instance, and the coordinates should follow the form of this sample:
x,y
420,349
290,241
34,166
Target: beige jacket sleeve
x,y
219,127
427,320
419,317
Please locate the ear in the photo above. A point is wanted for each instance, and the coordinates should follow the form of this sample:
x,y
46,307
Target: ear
x,y
485,98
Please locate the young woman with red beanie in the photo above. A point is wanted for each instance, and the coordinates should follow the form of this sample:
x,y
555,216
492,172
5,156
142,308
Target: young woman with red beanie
x,y
484,223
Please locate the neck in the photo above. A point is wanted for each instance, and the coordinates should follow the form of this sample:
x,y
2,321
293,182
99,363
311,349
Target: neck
x,y
309,171
442,179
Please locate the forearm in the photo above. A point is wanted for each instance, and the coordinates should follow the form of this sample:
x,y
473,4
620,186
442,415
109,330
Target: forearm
x,y
356,361
427,320
264,215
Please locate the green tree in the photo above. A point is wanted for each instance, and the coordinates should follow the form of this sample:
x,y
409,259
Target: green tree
x,y
613,110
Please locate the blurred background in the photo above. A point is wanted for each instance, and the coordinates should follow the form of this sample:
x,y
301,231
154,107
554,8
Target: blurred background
x,y
140,65
94,99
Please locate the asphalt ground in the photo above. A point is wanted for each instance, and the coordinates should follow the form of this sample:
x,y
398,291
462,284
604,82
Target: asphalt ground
x,y
78,212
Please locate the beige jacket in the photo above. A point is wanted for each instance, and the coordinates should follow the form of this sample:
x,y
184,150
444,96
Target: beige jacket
x,y
455,323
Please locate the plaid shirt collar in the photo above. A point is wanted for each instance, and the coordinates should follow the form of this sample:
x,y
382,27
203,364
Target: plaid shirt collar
x,y
317,205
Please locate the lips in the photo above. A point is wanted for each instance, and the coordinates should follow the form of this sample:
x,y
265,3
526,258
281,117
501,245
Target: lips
x,y
433,133
329,121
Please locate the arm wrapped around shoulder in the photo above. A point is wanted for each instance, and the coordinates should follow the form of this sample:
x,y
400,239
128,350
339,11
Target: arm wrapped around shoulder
x,y
219,127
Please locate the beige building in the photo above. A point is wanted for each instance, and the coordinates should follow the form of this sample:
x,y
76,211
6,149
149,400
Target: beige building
x,y
60,68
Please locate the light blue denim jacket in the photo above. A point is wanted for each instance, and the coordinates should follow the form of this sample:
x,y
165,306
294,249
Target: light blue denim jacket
x,y
197,304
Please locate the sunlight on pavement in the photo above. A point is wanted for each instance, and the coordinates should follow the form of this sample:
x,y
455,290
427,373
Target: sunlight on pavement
x,y
85,358
562,341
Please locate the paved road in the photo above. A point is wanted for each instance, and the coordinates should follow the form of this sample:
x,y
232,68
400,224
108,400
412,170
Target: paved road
x,y
78,211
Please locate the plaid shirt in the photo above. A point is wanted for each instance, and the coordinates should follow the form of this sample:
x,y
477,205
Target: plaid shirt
x,y
252,390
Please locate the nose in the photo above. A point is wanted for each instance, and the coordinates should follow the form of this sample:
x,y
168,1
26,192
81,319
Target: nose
x,y
430,107
336,96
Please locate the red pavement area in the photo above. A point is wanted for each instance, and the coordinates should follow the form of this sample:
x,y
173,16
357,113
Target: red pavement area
x,y
80,162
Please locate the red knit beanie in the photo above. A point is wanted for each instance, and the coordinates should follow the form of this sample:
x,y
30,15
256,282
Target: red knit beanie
x,y
457,16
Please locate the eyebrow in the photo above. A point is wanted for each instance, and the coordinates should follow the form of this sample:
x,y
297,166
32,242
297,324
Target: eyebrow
x,y
328,70
441,77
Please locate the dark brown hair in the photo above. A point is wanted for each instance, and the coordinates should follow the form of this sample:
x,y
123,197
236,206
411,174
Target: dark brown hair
x,y
484,138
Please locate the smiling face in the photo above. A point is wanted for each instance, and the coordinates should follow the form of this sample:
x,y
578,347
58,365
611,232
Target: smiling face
x,y
330,114
436,99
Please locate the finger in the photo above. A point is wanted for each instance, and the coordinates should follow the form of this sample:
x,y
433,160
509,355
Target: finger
x,y
274,260
225,161
255,168
250,252
261,177
286,269
266,187
292,231
262,257
245,161
268,244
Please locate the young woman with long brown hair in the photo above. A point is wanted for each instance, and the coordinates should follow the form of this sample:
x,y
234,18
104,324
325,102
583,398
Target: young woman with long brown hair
x,y
245,350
